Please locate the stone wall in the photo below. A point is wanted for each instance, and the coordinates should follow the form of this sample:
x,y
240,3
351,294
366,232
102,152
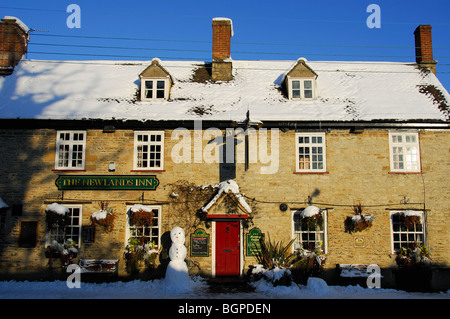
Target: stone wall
x,y
358,171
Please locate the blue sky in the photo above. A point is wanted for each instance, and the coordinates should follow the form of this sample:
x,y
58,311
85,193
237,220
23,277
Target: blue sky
x,y
264,30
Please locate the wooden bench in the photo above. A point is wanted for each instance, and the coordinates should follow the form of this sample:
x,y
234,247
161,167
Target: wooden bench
x,y
99,266
353,270
355,273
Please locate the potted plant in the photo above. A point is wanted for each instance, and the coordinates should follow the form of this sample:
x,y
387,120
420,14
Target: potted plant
x,y
310,263
66,252
274,262
104,217
415,255
137,253
359,221
414,268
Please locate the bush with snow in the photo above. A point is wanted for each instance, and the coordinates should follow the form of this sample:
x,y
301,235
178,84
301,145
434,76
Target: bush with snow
x,y
276,276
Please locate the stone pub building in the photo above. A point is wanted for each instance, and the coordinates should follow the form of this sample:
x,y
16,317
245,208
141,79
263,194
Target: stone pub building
x,y
230,151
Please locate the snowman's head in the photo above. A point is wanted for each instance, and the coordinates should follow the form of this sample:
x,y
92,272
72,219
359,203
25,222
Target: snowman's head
x,y
177,235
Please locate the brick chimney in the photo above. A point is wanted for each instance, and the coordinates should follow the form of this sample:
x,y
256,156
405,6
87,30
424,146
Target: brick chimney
x,y
13,43
424,48
221,49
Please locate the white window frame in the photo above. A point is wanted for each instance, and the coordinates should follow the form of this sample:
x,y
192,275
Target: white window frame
x,y
149,144
310,145
70,143
64,235
409,236
155,89
302,88
404,146
158,227
297,234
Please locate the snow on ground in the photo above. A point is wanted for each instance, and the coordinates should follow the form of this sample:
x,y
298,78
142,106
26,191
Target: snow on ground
x,y
158,289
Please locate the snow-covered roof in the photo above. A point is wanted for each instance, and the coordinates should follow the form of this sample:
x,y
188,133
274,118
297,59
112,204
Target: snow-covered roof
x,y
346,91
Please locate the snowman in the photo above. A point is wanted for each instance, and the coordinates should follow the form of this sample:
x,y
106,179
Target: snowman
x,y
177,274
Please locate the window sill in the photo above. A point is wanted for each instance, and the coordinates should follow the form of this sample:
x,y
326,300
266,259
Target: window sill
x,y
148,170
406,173
312,172
68,170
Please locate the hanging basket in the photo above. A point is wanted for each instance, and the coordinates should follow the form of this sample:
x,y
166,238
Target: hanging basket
x,y
312,218
57,214
411,220
104,217
141,216
359,221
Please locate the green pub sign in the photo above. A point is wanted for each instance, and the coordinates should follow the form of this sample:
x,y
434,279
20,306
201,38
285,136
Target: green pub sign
x,y
253,243
199,243
106,182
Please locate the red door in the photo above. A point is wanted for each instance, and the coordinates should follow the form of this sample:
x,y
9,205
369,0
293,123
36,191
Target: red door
x,y
227,248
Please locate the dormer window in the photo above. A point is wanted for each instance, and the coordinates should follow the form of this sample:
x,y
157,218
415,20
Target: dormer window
x,y
299,82
155,82
301,89
155,89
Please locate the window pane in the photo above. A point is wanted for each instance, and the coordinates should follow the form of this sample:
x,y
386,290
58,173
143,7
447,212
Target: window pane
x,y
308,94
149,84
296,94
307,84
160,84
160,94
295,85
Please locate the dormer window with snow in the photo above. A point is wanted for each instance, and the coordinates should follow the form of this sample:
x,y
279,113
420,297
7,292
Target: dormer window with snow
x,y
155,83
300,82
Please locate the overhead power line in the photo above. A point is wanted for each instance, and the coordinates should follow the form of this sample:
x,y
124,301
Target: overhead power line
x,y
127,64
234,42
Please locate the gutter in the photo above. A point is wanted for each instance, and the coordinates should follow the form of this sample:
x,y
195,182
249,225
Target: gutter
x,y
283,125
